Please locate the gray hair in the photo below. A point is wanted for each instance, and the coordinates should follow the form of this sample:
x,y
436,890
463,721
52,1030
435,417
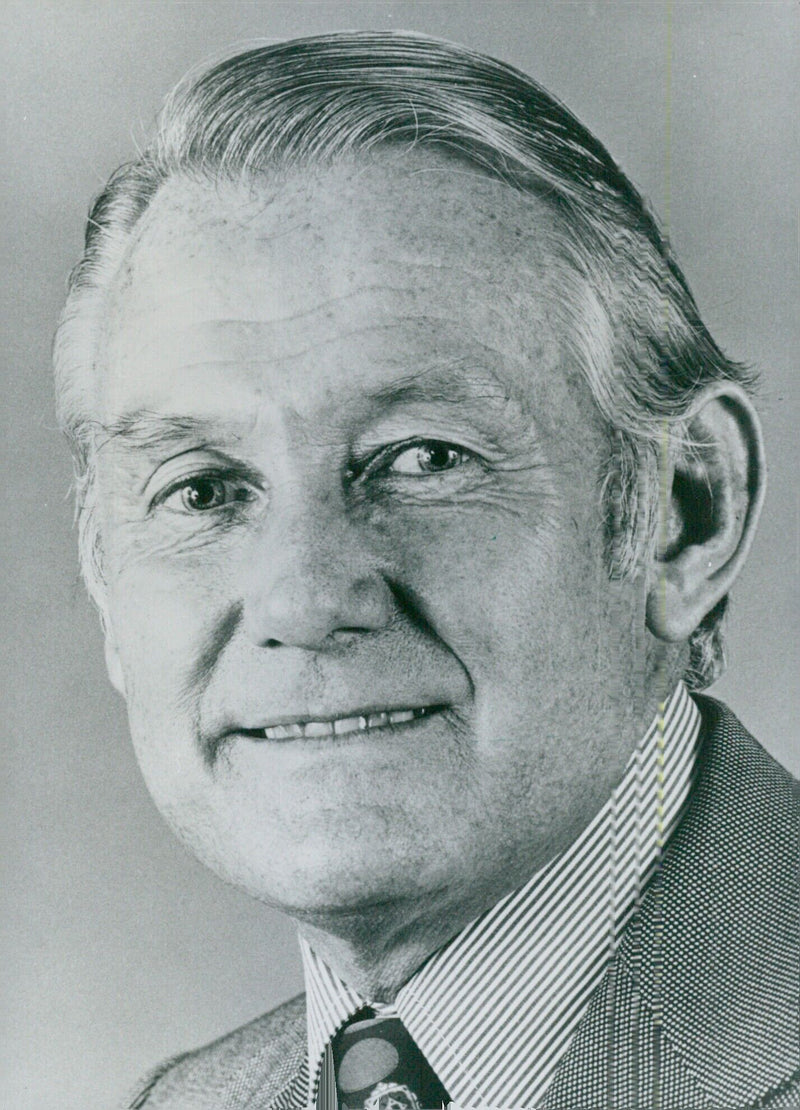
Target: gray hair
x,y
642,346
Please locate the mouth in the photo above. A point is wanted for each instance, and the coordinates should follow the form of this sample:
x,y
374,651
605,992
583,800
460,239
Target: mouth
x,y
326,728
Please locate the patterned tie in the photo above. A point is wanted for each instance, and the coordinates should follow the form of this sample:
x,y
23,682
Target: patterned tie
x,y
379,1067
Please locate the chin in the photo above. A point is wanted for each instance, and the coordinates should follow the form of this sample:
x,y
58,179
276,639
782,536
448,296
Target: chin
x,y
317,896
316,876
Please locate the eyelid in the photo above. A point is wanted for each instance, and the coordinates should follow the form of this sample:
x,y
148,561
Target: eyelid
x,y
181,483
376,459
213,465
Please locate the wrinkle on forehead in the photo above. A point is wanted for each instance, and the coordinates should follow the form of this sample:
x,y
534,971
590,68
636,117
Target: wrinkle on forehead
x,y
396,274
415,343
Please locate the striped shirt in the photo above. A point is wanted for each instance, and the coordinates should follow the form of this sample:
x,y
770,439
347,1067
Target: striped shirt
x,y
494,1011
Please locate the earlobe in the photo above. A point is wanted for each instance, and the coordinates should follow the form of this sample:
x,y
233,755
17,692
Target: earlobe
x,y
113,664
716,489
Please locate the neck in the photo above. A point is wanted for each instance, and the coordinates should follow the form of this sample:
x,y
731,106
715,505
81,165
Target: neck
x,y
376,949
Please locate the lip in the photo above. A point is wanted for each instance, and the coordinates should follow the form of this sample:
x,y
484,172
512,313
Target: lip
x,y
351,722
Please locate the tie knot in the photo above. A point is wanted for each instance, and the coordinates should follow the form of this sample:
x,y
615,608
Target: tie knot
x,y
378,1066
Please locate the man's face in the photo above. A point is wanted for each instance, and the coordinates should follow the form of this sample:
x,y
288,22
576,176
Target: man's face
x,y
350,511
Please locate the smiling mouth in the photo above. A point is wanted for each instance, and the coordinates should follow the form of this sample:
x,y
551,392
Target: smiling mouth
x,y
341,726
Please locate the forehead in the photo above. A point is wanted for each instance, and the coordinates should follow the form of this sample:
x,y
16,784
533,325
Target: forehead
x,y
357,268
390,198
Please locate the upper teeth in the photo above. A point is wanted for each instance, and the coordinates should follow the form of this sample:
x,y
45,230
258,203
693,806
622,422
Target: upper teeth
x,y
342,725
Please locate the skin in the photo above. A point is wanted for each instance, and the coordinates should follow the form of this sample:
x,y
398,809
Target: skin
x,y
349,466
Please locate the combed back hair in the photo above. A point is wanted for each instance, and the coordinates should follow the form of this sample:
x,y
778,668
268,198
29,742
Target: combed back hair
x,y
634,326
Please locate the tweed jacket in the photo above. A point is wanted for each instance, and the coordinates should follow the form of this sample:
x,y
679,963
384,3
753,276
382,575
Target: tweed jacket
x,y
700,1008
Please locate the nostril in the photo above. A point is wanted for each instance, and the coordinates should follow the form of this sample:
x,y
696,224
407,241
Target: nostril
x,y
305,602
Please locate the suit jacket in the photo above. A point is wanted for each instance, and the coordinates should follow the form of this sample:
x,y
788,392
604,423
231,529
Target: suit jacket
x,y
700,1008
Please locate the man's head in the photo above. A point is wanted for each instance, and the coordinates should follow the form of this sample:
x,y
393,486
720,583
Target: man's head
x,y
377,370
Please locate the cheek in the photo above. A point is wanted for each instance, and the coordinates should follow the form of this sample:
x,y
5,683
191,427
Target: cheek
x,y
168,623
527,607
165,628
489,585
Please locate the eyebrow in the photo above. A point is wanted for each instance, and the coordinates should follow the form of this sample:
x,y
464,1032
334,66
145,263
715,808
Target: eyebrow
x,y
147,430
438,383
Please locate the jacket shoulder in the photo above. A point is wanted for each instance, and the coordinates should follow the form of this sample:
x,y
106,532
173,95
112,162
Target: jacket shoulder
x,y
264,1055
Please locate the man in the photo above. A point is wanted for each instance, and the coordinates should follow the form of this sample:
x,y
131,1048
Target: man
x,y
411,490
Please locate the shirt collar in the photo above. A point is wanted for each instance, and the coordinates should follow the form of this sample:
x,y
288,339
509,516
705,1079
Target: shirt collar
x,y
523,973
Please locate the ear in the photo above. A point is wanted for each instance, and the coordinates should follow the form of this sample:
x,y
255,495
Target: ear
x,y
715,493
113,664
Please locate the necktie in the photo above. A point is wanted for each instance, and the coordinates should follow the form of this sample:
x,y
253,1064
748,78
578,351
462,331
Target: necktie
x,y
379,1067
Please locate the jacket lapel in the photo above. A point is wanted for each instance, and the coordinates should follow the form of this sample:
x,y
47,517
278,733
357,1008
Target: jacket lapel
x,y
700,1008
292,1096
274,1073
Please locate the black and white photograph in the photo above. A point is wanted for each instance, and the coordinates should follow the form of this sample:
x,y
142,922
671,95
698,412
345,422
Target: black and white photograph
x,y
402,555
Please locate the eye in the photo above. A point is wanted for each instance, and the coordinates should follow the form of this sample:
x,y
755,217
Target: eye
x,y
429,456
203,493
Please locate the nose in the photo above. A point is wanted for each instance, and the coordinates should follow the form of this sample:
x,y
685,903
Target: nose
x,y
309,576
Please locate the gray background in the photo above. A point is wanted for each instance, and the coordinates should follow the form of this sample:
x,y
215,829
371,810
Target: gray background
x,y
116,948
